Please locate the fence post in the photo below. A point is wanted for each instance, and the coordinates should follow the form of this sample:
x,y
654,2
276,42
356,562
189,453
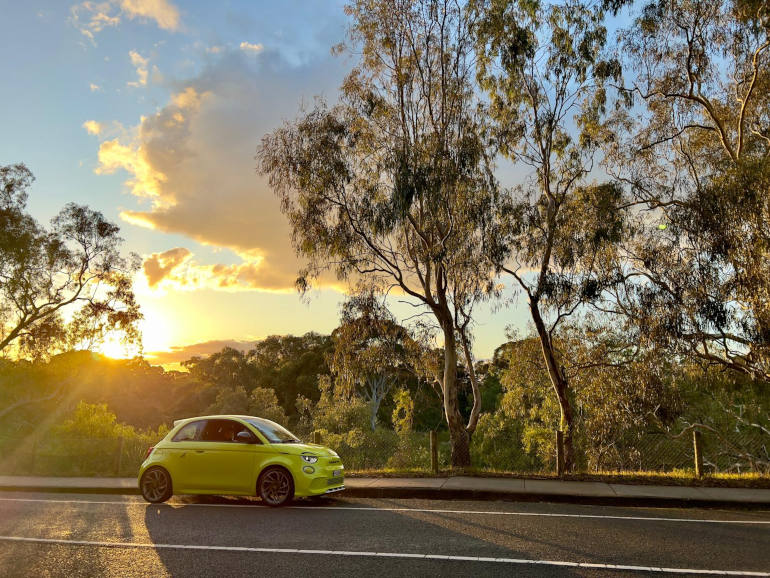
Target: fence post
x,y
34,456
433,452
559,453
317,437
698,452
119,457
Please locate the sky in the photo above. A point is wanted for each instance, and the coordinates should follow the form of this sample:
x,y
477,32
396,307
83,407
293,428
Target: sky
x,y
151,112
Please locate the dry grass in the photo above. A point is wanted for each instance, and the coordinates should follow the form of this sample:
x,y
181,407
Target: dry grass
x,y
673,478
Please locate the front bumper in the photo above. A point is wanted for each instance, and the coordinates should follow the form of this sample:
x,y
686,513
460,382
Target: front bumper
x,y
326,478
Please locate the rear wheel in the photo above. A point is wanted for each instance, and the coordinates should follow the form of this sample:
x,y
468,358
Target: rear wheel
x,y
275,486
155,485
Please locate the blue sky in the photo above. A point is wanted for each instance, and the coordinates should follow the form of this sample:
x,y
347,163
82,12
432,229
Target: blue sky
x,y
151,111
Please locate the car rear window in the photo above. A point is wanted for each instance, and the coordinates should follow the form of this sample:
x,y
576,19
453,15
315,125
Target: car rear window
x,y
190,432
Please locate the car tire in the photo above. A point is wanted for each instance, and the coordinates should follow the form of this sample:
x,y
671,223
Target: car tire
x,y
275,486
155,485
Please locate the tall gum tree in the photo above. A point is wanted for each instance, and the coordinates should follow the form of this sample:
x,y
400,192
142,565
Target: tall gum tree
x,y
392,188
694,151
544,69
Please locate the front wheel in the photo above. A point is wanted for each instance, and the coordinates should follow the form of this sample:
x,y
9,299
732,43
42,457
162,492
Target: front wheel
x,y
155,485
275,486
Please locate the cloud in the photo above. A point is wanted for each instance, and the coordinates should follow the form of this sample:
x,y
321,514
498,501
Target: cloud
x,y
176,269
164,13
92,17
193,161
179,353
93,127
140,63
95,87
251,48
146,181
160,265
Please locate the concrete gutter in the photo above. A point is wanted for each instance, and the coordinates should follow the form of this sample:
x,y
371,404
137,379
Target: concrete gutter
x,y
463,488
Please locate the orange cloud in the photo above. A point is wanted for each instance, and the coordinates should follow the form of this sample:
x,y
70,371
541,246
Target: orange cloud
x,y
93,127
140,63
146,182
160,265
180,353
252,48
194,160
164,13
92,17
176,269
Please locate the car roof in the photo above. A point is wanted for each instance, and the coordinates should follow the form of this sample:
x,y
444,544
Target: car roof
x,y
228,416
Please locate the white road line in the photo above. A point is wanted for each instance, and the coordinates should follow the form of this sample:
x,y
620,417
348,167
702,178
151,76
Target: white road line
x,y
519,561
537,514
413,510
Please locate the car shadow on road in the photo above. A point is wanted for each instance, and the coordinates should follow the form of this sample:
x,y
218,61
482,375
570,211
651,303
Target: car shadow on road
x,y
221,537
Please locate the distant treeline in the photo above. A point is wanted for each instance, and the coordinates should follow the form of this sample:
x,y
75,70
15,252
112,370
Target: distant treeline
x,y
628,416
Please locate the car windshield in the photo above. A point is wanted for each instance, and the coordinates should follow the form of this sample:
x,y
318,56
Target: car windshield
x,y
274,433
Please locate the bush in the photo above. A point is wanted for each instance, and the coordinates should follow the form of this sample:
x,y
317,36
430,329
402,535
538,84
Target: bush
x,y
497,444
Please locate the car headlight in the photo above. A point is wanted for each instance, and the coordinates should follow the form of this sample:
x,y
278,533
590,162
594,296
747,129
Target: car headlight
x,y
311,459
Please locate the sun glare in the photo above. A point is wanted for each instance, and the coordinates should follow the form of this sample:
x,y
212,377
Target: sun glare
x,y
116,350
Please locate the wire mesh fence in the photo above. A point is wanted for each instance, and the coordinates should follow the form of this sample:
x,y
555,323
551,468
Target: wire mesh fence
x,y
721,452
385,450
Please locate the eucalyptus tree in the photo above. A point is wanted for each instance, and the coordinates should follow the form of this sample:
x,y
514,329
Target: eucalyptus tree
x,y
73,270
544,69
372,352
695,152
391,189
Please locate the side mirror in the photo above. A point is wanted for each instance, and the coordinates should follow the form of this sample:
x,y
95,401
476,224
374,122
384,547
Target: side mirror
x,y
245,437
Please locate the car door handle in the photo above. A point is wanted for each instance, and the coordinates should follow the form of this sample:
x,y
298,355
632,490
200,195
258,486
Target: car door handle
x,y
199,451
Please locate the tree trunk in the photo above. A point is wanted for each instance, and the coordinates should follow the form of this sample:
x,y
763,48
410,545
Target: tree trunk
x,y
560,386
374,408
458,436
473,420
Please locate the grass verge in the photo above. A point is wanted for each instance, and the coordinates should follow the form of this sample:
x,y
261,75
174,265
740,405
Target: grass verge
x,y
673,478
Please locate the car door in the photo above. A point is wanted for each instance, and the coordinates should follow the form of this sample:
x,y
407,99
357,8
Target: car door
x,y
225,465
184,452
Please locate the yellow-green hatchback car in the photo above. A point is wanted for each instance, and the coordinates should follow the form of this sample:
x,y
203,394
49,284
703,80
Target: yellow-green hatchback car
x,y
238,455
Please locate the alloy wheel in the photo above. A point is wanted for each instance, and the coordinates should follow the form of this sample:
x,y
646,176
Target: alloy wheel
x,y
155,485
275,487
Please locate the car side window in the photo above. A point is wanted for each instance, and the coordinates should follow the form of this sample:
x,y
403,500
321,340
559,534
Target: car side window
x,y
223,430
189,433
252,436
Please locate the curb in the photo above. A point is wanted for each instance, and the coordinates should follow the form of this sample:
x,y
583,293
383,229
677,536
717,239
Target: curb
x,y
482,495
456,494
72,490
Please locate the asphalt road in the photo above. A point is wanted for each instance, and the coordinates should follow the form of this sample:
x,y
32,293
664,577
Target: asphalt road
x,y
84,535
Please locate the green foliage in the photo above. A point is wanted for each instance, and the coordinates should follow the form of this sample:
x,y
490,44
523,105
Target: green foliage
x,y
230,401
93,421
403,413
89,441
260,402
393,186
693,151
264,403
73,267
339,413
289,365
499,443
